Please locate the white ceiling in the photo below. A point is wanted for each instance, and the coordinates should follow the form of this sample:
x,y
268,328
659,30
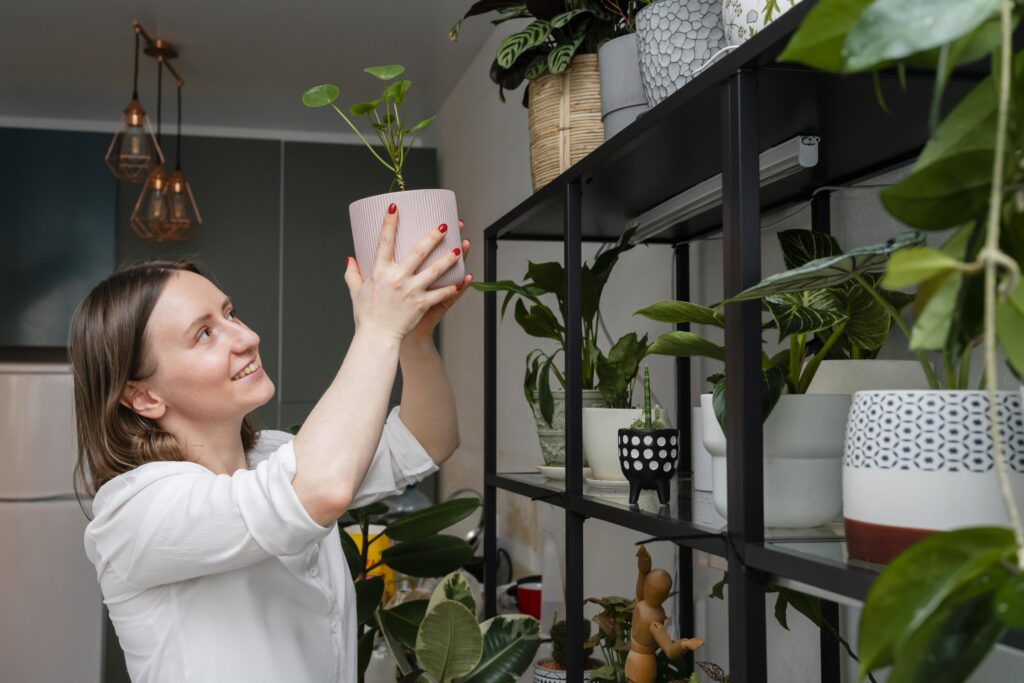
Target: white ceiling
x,y
68,63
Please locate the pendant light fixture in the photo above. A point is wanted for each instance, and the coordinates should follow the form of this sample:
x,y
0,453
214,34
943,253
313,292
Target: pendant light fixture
x,y
151,212
134,152
182,203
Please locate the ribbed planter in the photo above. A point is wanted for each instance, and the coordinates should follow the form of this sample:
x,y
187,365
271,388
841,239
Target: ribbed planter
x,y
419,212
564,117
622,90
743,19
916,462
600,438
648,458
674,39
803,456
552,438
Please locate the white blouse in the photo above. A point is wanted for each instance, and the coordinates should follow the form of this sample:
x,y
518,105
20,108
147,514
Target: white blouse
x,y
225,578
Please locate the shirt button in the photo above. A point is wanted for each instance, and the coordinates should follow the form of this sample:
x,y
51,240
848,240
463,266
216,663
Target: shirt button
x,y
314,572
334,627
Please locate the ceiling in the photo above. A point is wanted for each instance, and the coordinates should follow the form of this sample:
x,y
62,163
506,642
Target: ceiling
x,y
68,63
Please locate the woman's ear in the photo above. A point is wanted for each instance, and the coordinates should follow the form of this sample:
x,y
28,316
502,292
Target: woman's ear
x,y
137,398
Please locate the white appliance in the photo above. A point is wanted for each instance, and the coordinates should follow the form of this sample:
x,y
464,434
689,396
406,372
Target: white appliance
x,y
51,609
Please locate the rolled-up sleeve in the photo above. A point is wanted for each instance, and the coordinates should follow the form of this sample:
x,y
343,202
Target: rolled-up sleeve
x,y
400,460
172,521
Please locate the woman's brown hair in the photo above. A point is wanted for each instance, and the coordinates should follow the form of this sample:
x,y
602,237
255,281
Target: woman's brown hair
x,y
107,349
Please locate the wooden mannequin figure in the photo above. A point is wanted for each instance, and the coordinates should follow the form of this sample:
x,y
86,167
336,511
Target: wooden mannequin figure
x,y
648,629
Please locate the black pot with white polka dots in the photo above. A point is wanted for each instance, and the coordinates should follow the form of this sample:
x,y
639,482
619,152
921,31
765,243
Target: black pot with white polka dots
x,y
648,459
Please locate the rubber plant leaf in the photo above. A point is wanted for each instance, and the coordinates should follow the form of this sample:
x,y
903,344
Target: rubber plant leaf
x,y
453,587
369,591
432,519
428,557
510,643
449,644
403,621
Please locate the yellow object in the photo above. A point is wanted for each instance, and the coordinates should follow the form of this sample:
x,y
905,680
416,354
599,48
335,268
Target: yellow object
x,y
378,544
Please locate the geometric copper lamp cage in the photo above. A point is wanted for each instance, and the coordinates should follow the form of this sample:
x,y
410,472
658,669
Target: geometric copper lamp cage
x,y
134,151
166,209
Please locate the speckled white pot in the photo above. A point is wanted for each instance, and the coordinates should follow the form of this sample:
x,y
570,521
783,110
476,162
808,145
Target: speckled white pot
x,y
743,19
674,38
419,212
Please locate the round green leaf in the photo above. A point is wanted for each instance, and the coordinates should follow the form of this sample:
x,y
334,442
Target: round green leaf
x,y
396,91
403,621
431,520
320,96
428,557
385,72
363,108
449,643
369,591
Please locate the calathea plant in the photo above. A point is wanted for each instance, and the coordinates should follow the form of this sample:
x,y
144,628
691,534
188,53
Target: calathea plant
x,y
439,640
613,374
385,116
938,609
560,29
828,305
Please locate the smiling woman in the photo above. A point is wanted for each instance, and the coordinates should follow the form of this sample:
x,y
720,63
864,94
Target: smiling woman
x,y
209,539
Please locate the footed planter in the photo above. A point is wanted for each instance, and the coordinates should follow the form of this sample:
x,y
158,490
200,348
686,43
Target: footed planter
x,y
916,462
803,455
648,459
419,212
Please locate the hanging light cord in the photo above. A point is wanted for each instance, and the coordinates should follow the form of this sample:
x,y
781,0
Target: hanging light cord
x,y
135,78
177,149
159,95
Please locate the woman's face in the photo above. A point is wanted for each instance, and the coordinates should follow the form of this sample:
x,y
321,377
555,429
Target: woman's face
x,y
204,355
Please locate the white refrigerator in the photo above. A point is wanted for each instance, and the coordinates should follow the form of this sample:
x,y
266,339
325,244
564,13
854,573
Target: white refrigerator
x,y
51,609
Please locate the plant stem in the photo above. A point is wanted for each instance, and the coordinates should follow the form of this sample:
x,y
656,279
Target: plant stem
x,y
368,145
933,381
965,369
990,255
812,365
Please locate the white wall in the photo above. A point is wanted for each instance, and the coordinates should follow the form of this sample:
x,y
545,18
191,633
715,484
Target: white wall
x,y
483,154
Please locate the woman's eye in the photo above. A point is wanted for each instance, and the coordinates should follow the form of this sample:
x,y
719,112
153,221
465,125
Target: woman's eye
x,y
232,315
204,331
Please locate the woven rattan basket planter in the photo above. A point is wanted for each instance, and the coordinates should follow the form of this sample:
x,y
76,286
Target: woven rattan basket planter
x,y
565,119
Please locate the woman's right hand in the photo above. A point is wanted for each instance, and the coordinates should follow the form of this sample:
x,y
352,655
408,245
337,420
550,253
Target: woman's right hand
x,y
395,297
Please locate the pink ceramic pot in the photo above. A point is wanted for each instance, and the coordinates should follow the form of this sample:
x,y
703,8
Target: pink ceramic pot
x,y
419,212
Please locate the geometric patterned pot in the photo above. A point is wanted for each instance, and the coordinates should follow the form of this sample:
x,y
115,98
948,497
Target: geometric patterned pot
x,y
916,462
648,459
552,437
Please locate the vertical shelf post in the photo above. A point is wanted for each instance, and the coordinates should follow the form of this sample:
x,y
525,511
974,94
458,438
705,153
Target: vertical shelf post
x,y
685,616
490,429
745,462
573,429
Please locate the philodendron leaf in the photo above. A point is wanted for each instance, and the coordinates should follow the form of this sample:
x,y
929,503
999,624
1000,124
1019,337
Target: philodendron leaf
x,y
510,643
1009,602
449,644
834,270
680,312
954,639
369,591
818,42
911,266
385,72
403,621
1010,329
773,382
686,344
804,312
868,322
453,587
803,246
890,30
432,519
914,586
320,95
428,557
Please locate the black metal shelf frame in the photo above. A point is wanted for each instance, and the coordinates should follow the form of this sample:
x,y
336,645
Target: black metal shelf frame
x,y
619,180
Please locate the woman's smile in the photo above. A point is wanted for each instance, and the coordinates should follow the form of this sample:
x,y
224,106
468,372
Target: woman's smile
x,y
251,371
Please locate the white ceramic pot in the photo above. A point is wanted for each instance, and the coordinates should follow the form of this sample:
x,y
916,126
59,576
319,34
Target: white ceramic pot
x,y
600,440
702,479
419,212
744,18
921,461
851,376
674,39
622,91
552,437
803,452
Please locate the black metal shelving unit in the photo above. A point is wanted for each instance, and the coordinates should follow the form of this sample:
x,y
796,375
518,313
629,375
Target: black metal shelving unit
x,y
718,123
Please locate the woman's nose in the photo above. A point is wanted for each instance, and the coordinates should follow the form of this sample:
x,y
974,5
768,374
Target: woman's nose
x,y
244,338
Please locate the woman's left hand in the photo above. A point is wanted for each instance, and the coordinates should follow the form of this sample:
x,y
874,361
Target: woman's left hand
x,y
425,328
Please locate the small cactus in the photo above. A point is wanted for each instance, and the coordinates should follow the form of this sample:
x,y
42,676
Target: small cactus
x,y
559,630
648,419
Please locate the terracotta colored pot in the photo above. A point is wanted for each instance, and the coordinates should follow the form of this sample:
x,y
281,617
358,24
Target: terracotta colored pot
x,y
419,212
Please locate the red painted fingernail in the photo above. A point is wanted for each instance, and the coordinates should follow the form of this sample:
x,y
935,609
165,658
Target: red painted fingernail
x,y
443,227
348,260
458,287
456,251
392,208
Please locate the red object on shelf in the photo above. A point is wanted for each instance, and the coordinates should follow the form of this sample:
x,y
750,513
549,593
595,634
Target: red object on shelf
x,y
528,597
